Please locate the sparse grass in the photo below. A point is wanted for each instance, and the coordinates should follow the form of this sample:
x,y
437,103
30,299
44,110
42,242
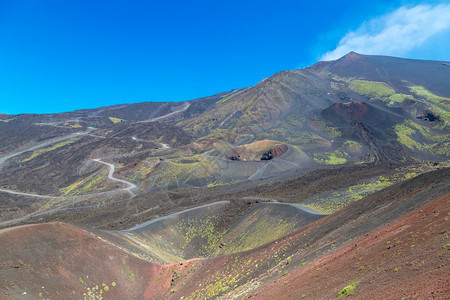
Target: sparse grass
x,y
96,291
176,171
84,185
216,288
379,91
256,233
398,98
47,149
115,120
425,131
300,137
222,280
348,290
353,146
200,228
330,158
325,127
372,89
423,92
228,98
407,130
338,200
438,105
217,183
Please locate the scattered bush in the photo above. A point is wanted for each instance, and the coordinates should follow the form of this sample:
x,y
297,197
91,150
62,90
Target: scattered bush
x,y
348,290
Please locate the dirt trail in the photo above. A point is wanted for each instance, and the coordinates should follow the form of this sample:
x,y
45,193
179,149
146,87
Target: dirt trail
x,y
111,177
80,198
42,145
27,194
163,145
145,224
186,106
39,146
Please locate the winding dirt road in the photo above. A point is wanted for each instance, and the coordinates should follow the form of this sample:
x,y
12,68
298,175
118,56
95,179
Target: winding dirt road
x,y
45,144
112,168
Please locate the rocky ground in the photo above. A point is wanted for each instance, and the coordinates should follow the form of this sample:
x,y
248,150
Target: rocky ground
x,y
390,245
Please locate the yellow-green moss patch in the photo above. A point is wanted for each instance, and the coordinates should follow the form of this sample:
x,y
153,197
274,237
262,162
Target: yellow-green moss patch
x,y
372,89
330,158
115,120
47,149
348,290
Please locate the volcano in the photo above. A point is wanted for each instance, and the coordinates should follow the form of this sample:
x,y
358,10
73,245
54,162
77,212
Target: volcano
x,y
315,183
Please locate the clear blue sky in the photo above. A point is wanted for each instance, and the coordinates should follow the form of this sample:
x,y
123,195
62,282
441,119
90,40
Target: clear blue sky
x,y
63,55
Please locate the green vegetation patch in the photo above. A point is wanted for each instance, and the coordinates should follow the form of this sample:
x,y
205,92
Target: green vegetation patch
x,y
436,144
227,98
330,158
257,231
203,228
344,197
176,171
84,185
225,279
426,132
423,92
219,286
438,105
305,138
115,120
50,148
372,89
352,146
156,251
348,290
398,98
221,183
325,127
378,90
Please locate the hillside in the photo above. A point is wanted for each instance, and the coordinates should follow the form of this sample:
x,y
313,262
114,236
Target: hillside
x,y
312,180
389,245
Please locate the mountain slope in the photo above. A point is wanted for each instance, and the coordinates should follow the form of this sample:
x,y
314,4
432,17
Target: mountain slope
x,y
392,70
358,109
393,244
314,183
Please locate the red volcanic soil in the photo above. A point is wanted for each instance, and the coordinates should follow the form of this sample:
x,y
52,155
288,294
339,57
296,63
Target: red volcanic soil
x,y
351,110
394,243
406,258
60,261
260,150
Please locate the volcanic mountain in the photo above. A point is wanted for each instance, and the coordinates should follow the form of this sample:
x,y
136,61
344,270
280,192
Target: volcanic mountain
x,y
268,191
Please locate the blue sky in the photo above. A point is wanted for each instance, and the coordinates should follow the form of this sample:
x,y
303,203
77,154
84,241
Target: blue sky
x,y
64,55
